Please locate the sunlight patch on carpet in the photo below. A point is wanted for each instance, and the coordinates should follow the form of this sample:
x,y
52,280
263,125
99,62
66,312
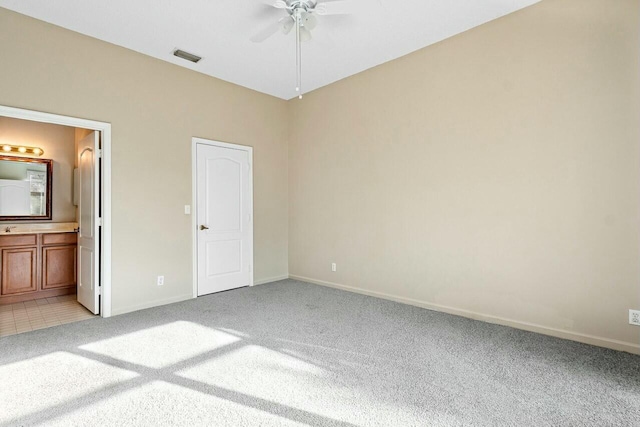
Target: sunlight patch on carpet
x,y
43,382
164,345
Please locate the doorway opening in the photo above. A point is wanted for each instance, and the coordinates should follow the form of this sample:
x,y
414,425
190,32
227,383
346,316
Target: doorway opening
x,y
55,224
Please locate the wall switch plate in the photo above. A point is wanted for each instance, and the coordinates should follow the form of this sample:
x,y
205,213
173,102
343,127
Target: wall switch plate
x,y
334,267
160,280
187,209
634,317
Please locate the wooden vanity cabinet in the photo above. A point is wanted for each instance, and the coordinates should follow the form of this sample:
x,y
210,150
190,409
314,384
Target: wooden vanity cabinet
x,y
19,270
58,260
34,266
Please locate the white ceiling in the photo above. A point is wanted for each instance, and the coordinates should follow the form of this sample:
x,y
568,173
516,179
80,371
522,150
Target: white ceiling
x,y
219,31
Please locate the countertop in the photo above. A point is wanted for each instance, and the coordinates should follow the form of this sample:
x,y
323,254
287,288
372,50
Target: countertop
x,y
33,228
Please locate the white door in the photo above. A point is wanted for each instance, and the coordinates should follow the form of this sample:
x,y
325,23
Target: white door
x,y
224,218
88,238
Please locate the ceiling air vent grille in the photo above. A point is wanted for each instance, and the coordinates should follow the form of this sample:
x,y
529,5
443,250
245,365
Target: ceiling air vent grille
x,y
186,55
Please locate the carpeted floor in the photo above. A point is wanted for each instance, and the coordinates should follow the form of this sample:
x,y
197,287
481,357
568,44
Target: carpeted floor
x,y
292,353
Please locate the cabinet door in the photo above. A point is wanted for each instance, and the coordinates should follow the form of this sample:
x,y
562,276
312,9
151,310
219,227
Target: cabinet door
x,y
19,271
58,266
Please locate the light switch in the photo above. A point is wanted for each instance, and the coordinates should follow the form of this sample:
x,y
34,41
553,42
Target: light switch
x,y
187,209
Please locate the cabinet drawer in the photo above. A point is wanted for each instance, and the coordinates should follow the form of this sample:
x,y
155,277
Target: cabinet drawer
x,y
18,240
60,239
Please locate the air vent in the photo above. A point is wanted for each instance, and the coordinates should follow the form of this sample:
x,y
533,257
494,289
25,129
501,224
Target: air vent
x,y
186,55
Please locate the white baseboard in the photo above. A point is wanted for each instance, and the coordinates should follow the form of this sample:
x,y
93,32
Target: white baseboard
x,y
150,304
554,332
156,303
271,279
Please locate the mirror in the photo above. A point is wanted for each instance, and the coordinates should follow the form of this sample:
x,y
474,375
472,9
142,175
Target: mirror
x,y
25,188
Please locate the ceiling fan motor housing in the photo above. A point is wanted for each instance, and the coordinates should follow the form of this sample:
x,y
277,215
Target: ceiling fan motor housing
x,y
303,5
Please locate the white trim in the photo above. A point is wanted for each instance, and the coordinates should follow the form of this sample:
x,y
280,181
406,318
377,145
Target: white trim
x,y
152,304
531,327
194,206
271,280
105,129
196,140
194,219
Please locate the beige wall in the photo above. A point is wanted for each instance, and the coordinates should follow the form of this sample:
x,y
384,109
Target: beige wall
x,y
494,175
155,108
58,145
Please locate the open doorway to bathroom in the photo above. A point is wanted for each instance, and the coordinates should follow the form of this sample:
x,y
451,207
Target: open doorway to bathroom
x,y
54,220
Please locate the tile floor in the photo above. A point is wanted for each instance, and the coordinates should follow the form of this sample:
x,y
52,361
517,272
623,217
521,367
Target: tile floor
x,y
42,313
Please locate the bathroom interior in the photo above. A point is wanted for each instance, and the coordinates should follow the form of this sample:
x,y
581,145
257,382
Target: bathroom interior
x,y
39,231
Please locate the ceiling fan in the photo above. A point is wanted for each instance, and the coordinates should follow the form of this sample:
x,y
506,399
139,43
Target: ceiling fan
x,y
301,16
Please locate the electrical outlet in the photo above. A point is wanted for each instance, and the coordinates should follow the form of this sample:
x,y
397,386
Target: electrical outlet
x,y
187,209
634,317
160,280
334,267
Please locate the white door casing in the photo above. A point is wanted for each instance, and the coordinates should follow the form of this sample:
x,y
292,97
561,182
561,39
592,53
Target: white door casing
x,y
105,159
224,217
88,237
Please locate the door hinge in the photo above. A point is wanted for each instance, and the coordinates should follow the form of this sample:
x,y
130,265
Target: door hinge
x,y
99,222
99,290
99,152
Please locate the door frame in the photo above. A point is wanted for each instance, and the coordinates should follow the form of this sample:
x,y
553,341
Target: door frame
x,y
194,202
105,132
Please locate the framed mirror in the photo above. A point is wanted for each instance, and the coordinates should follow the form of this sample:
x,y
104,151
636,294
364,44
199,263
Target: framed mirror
x,y
25,188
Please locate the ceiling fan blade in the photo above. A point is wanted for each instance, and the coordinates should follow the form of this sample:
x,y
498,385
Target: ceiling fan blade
x,y
268,31
339,7
280,4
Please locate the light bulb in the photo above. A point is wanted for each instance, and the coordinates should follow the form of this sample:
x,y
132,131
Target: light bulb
x,y
6,148
22,150
300,97
37,151
297,89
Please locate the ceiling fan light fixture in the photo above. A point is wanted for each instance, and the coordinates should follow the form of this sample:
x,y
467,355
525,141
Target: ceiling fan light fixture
x,y
305,34
309,21
288,25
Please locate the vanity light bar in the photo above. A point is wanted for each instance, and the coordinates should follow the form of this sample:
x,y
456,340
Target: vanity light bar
x,y
21,149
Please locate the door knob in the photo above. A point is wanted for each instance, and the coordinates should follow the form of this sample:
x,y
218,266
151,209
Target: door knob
x,y
203,227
